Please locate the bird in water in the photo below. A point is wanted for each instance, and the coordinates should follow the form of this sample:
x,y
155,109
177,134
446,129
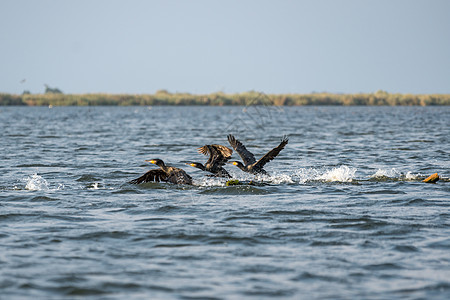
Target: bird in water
x,y
250,164
164,173
218,156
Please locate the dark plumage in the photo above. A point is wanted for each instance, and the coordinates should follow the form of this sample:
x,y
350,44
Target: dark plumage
x,y
164,174
218,156
250,164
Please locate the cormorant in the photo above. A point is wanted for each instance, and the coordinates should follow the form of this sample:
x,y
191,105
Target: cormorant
x,y
250,164
165,174
218,156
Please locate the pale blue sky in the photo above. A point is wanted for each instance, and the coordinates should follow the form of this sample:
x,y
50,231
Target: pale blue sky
x,y
349,46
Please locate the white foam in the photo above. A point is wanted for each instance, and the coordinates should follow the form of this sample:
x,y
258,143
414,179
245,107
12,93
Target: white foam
x,y
279,178
410,176
94,186
304,175
210,181
341,174
390,173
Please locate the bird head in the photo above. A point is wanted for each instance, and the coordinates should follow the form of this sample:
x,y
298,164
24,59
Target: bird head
x,y
156,161
236,163
196,165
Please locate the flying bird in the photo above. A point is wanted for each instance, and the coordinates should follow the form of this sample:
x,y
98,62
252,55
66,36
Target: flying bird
x,y
250,165
218,156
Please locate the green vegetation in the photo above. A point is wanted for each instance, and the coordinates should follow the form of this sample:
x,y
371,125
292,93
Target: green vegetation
x,y
248,98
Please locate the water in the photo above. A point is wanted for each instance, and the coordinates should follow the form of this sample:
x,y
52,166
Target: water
x,y
343,214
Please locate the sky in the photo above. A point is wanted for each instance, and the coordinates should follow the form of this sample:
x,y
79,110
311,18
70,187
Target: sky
x,y
199,47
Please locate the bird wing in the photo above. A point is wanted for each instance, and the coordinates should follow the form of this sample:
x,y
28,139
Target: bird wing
x,y
218,154
271,154
179,176
156,175
212,149
247,157
224,151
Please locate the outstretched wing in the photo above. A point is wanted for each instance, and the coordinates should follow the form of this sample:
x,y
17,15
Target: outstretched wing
x,y
272,153
156,175
218,154
247,157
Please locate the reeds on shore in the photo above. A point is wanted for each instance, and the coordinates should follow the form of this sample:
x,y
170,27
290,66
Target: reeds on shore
x,y
218,99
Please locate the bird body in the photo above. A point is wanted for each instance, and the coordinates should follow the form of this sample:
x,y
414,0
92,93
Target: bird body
x,y
250,164
164,173
218,156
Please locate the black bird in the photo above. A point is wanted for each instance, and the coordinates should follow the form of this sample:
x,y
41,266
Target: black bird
x,y
250,164
164,174
218,156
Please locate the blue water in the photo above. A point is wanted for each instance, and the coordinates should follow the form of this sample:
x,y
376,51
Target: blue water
x,y
342,215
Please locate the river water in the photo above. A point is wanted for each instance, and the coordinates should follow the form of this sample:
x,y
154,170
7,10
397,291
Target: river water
x,y
342,215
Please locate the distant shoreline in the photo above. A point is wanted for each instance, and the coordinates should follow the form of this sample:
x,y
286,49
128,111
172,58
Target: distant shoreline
x,y
220,99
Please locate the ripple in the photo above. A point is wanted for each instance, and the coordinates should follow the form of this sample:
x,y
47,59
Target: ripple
x,y
363,223
43,199
406,248
443,244
383,267
235,190
309,276
88,178
102,235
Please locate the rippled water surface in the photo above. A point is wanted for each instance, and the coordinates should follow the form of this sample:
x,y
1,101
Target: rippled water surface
x,y
342,215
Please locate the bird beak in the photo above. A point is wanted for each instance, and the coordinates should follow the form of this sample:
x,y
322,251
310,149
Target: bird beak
x,y
151,161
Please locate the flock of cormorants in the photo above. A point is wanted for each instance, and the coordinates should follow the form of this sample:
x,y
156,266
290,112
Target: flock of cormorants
x,y
218,156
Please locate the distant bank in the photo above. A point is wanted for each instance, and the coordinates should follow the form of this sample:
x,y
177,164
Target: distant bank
x,y
247,98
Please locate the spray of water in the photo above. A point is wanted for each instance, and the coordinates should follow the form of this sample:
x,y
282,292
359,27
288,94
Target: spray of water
x,y
37,183
340,174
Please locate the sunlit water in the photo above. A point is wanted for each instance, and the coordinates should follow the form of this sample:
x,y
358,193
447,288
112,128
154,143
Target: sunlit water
x,y
342,215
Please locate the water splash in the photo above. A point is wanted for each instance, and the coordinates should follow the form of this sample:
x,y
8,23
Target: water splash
x,y
304,175
93,186
341,174
389,173
410,176
279,178
37,183
210,181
